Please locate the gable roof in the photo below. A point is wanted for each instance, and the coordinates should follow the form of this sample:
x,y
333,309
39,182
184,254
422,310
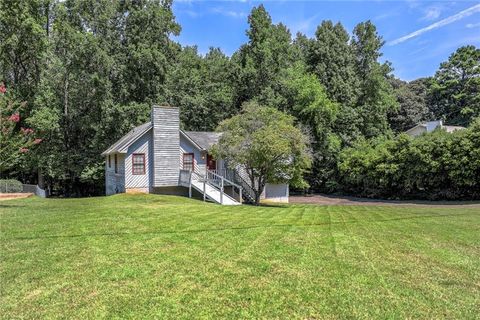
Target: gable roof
x,y
203,140
421,125
124,142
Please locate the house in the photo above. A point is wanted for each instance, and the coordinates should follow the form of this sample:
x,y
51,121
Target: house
x,y
430,126
158,157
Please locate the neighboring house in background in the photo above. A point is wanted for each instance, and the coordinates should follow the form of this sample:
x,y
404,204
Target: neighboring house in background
x,y
159,157
430,126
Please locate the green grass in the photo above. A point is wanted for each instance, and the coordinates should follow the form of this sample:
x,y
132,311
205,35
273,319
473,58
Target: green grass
x,y
149,256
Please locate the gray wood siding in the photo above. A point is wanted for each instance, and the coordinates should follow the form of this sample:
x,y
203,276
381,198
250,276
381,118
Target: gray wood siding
x,y
142,145
187,147
166,146
275,192
115,182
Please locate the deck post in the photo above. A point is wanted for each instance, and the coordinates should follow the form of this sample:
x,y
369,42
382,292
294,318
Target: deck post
x,y
190,186
221,190
204,194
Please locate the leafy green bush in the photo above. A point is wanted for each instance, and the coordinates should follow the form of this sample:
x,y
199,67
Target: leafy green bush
x,y
10,186
437,165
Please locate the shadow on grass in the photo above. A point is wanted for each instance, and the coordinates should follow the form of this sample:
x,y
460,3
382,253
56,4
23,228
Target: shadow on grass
x,y
11,205
159,232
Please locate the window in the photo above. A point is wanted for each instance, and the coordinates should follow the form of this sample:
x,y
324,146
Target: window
x,y
138,163
116,164
109,161
188,161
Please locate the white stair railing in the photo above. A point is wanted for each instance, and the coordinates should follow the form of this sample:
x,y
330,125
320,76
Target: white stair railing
x,y
211,179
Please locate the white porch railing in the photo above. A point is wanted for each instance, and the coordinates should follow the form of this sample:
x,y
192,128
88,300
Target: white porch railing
x,y
211,179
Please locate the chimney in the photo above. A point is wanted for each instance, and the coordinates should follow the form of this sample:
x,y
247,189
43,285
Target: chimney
x,y
166,146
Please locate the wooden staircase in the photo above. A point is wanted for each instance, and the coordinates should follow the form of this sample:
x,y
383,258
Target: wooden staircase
x,y
211,186
247,190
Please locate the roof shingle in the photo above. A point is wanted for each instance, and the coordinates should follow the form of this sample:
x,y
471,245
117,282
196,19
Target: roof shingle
x,y
124,142
203,139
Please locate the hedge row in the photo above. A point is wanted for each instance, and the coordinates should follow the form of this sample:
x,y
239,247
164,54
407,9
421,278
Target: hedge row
x,y
437,165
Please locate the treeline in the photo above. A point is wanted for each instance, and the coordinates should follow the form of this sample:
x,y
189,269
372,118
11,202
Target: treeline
x,y
90,70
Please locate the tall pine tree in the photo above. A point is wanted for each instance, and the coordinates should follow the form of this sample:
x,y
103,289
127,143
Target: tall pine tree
x,y
376,96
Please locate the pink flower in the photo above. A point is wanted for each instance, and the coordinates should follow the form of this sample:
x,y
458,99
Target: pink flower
x,y
26,130
14,117
37,141
2,88
23,150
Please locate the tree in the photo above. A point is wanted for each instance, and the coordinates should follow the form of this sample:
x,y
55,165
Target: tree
x,y
330,57
202,87
75,90
412,104
260,61
265,142
15,140
455,93
301,47
307,99
376,94
145,51
23,30
103,71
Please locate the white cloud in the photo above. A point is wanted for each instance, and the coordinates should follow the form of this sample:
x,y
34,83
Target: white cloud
x,y
432,13
447,47
473,25
463,14
386,15
304,26
191,13
412,4
229,13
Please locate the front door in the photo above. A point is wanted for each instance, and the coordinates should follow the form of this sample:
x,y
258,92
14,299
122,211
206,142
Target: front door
x,y
211,163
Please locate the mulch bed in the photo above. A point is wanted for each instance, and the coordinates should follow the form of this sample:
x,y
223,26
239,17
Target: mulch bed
x,y
11,196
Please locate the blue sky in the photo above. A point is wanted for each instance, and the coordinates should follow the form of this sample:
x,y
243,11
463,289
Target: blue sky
x,y
418,34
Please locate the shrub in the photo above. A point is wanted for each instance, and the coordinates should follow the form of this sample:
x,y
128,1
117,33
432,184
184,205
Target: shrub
x,y
10,186
437,165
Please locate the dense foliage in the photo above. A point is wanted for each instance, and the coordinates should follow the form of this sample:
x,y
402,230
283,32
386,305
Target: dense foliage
x,y
15,140
412,104
455,89
87,71
437,165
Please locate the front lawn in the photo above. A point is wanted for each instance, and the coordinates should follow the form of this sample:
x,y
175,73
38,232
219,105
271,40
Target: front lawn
x,y
147,256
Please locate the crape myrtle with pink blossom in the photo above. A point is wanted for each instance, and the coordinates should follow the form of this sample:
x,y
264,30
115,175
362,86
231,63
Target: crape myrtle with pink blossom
x,y
15,139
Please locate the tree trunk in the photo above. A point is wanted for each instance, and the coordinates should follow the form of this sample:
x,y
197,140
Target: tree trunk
x,y
41,179
257,198
259,190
